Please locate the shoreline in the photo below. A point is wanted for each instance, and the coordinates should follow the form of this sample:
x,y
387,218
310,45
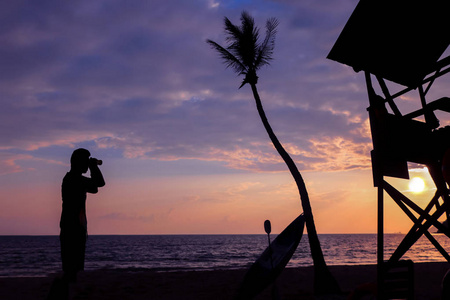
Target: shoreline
x,y
293,283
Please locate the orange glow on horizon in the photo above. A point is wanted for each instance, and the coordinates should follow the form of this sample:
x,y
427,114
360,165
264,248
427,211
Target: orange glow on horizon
x,y
342,202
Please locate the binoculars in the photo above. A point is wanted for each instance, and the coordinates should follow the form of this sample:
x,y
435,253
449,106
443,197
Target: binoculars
x,y
98,161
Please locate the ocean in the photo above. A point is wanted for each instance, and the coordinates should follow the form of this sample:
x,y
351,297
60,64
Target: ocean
x,y
39,255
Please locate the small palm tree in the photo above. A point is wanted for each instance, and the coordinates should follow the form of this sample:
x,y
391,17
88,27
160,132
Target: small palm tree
x,y
245,54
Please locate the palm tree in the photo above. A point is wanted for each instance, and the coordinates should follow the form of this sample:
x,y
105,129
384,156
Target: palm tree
x,y
245,55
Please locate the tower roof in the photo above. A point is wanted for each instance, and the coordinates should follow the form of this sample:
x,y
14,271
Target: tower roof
x,y
399,40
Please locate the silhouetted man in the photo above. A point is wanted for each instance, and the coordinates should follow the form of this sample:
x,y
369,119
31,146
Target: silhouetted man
x,y
73,217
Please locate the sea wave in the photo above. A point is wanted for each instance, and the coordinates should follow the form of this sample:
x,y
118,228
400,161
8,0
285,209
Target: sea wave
x,y
168,253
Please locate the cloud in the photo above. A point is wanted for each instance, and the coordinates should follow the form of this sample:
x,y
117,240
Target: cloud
x,y
139,78
8,163
129,217
205,130
12,162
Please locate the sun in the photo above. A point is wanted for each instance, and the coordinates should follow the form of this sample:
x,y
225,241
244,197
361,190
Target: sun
x,y
416,185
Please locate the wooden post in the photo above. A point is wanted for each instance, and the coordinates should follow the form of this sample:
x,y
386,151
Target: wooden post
x,y
380,242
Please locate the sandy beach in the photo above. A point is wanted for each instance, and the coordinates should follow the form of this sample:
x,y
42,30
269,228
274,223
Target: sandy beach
x,y
293,283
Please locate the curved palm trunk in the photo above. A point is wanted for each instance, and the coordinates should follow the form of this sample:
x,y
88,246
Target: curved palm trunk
x,y
324,281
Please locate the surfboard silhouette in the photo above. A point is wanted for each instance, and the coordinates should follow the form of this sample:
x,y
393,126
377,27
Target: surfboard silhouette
x,y
261,273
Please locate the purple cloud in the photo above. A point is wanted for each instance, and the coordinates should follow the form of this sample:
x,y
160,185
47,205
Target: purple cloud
x,y
138,77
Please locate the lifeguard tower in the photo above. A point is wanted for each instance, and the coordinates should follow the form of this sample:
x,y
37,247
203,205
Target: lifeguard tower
x,y
403,41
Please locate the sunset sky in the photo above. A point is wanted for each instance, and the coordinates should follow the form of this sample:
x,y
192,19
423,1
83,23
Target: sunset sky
x,y
183,149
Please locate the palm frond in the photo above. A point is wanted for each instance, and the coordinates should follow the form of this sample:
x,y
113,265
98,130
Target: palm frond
x,y
244,53
234,32
229,59
248,44
234,37
265,50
